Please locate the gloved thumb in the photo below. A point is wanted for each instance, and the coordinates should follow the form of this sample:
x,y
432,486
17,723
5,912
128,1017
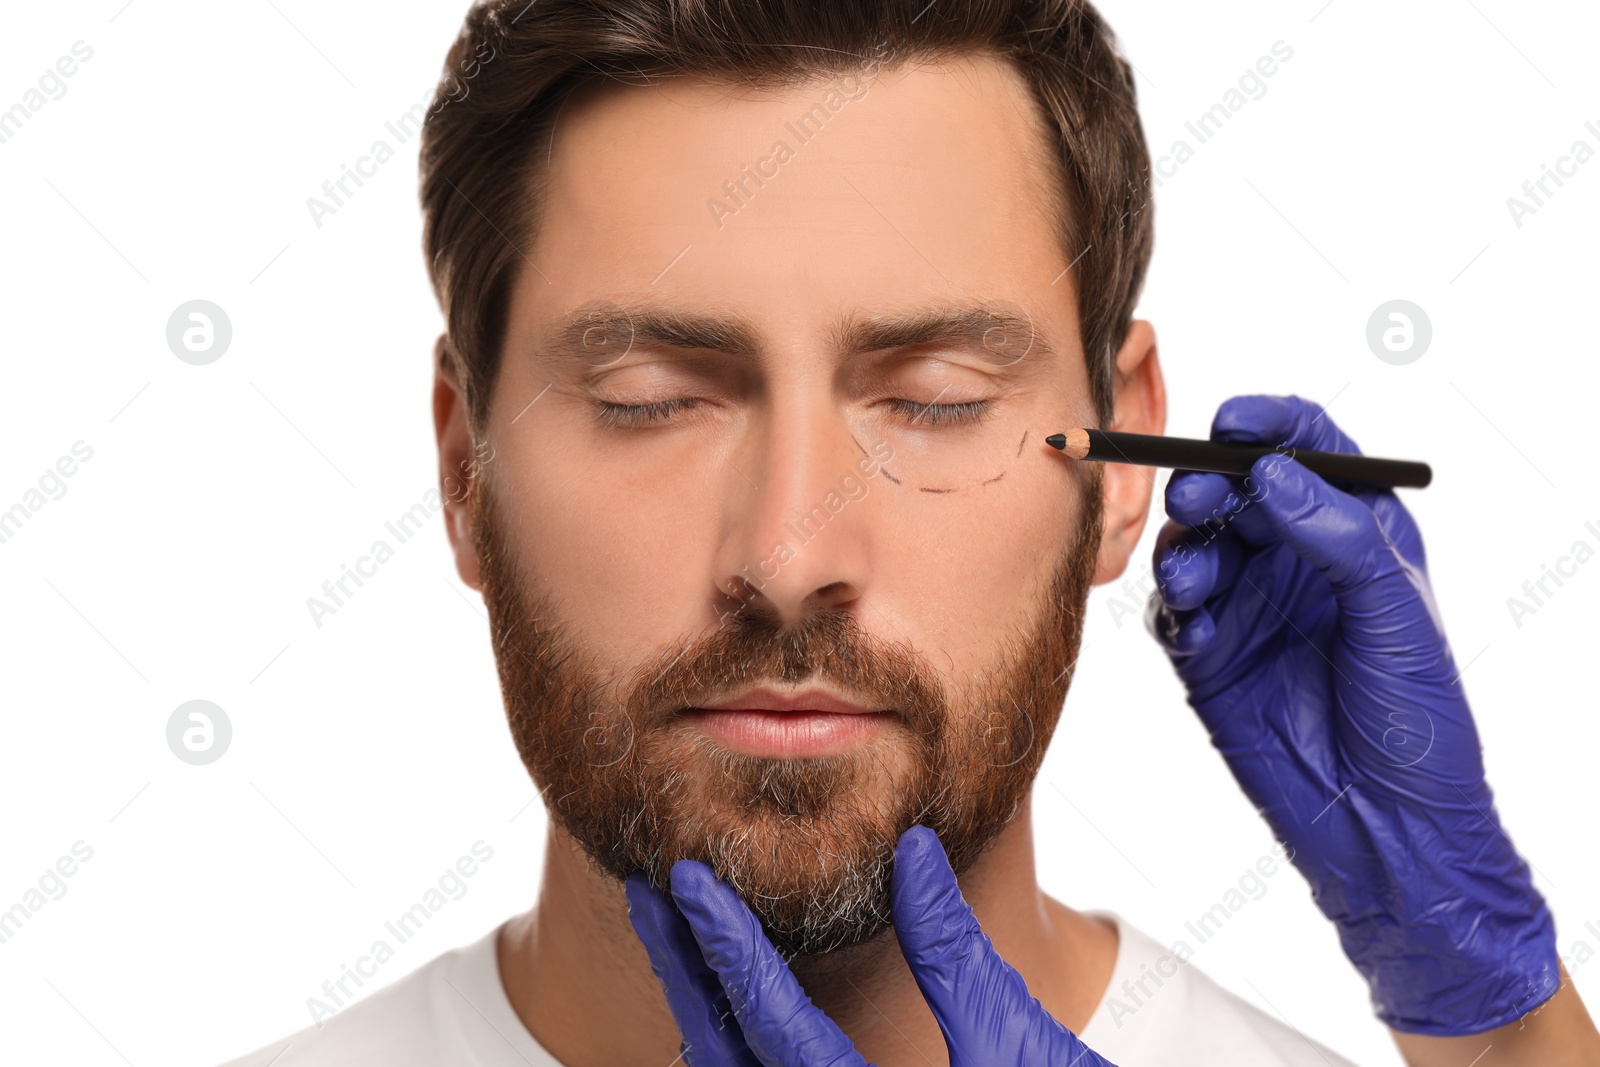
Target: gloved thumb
x,y
980,1001
781,1025
699,1005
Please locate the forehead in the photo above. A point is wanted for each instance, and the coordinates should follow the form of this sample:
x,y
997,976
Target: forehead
x,y
881,185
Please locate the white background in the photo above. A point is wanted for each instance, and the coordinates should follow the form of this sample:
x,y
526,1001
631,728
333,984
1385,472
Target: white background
x,y
369,754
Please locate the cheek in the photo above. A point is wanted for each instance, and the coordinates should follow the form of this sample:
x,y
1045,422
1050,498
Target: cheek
x,y
969,575
613,546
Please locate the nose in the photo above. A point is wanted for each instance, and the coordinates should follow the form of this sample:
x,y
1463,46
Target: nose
x,y
798,538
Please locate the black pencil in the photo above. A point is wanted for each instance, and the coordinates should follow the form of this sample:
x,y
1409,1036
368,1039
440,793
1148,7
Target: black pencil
x,y
1189,454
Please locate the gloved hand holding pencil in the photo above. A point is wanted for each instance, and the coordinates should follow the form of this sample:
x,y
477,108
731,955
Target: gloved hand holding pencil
x,y
1300,619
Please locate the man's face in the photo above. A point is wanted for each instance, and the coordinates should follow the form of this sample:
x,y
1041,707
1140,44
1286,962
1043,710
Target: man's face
x,y
820,500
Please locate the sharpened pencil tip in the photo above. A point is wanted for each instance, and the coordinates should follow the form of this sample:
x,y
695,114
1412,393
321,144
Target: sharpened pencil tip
x,y
1056,440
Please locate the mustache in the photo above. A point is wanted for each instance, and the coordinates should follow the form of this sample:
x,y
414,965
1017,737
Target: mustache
x,y
753,647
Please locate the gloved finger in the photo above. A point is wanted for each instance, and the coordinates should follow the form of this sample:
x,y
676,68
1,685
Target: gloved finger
x,y
1180,634
1214,504
711,1035
1190,569
1279,420
982,1004
781,1025
1381,597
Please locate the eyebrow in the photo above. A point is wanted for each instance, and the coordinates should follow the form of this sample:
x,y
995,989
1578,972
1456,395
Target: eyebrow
x,y
1002,330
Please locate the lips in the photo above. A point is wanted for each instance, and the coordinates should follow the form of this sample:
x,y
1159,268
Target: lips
x,y
807,723
814,700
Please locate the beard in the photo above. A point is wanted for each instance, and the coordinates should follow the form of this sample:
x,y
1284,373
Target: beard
x,y
808,843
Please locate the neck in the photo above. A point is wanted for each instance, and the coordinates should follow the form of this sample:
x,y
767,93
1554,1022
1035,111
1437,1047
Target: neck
x,y
580,980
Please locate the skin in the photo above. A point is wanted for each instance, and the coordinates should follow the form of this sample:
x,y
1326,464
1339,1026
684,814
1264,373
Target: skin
x,y
930,187
1559,1031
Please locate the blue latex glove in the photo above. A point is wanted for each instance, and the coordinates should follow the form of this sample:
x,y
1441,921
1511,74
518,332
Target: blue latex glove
x,y
737,1004
1307,636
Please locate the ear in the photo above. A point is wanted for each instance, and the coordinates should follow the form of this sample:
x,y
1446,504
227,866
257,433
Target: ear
x,y
458,463
1139,406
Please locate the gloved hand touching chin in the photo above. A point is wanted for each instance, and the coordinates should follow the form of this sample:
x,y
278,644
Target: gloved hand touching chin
x,y
1300,619
737,1004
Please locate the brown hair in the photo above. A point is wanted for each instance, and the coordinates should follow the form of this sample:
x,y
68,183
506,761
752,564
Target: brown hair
x,y
515,61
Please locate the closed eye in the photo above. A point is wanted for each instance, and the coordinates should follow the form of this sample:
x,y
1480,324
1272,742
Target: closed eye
x,y
623,416
939,414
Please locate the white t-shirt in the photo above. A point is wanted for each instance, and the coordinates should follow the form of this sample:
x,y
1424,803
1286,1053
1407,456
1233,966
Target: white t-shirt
x,y
453,1010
